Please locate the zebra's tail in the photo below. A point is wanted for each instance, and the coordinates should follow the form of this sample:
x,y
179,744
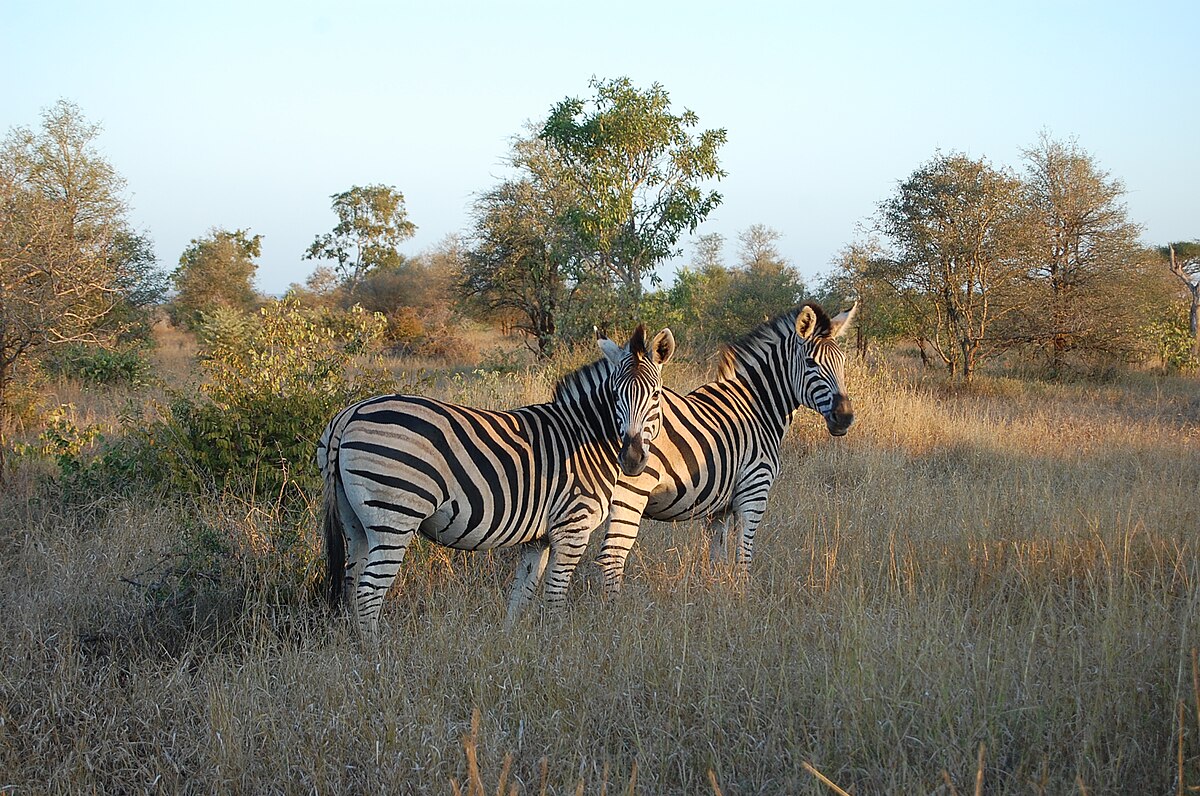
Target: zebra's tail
x,y
335,540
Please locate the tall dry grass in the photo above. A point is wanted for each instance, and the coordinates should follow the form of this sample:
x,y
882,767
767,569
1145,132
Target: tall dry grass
x,y
997,584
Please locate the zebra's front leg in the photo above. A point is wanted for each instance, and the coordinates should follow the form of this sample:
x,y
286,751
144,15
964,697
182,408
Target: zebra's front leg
x,y
566,550
749,513
624,521
719,528
749,504
529,574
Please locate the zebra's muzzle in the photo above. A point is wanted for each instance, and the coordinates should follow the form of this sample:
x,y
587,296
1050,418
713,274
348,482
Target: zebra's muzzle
x,y
634,455
841,417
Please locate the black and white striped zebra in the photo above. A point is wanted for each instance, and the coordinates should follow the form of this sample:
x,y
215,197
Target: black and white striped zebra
x,y
540,476
718,452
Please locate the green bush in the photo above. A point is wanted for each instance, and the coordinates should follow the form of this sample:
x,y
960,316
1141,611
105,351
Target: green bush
x,y
267,394
96,365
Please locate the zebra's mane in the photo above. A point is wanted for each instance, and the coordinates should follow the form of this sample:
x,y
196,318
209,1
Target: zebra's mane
x,y
778,328
583,381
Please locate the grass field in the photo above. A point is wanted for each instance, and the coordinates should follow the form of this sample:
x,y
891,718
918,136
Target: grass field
x,y
989,590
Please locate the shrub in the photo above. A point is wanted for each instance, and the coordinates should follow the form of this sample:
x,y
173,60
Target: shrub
x,y
266,398
96,365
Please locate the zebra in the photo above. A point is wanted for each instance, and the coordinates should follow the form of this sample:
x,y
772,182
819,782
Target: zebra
x,y
718,452
540,476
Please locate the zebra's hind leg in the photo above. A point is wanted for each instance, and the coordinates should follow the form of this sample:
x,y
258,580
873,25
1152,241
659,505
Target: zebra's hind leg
x,y
356,551
529,575
386,547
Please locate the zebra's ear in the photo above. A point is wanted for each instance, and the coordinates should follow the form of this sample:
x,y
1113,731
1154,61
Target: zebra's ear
x,y
806,322
841,322
611,350
662,347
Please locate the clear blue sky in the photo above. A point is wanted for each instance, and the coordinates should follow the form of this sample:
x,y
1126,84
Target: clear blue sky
x,y
250,115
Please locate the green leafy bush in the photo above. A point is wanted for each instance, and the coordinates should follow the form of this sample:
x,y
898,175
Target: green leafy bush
x,y
95,365
267,394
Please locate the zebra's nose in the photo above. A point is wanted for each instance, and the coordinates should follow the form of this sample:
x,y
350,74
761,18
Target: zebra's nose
x,y
633,456
840,417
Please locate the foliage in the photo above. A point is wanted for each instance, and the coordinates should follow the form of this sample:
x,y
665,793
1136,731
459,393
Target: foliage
x,y
372,222
99,365
957,230
523,257
141,287
266,398
61,218
1087,266
1172,336
215,271
709,303
635,172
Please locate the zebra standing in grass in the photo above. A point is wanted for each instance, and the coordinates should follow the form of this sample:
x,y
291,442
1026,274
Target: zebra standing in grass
x,y
718,452
473,479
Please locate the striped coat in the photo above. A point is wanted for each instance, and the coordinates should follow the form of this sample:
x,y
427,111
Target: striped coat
x,y
540,476
718,453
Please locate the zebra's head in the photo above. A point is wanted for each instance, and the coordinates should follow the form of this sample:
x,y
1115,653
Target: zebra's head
x,y
636,384
818,373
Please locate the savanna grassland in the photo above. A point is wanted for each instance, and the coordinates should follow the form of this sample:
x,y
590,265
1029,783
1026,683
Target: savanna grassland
x,y
991,589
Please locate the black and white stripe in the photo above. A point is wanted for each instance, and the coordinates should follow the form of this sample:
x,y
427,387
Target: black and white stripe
x,y
540,476
718,453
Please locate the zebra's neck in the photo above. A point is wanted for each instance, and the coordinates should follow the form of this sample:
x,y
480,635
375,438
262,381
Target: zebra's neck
x,y
761,363
582,398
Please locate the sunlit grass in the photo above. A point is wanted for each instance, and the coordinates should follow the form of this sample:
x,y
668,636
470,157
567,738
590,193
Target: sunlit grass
x,y
999,581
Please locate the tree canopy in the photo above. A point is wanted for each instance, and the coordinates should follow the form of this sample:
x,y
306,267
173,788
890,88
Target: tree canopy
x,y
637,174
372,223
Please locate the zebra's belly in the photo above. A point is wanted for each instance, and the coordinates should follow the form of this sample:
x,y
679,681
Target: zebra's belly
x,y
670,504
452,526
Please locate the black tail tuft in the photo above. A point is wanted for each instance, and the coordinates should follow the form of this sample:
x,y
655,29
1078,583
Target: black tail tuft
x,y
335,543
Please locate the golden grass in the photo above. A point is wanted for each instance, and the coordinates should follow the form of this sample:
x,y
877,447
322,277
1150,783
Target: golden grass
x,y
990,590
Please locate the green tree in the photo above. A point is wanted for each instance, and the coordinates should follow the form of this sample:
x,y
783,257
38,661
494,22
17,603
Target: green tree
x,y
521,265
141,286
61,215
863,272
636,172
764,284
1087,265
956,224
214,271
372,223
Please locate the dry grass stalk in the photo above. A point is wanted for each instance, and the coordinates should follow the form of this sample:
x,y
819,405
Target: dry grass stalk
x,y
833,786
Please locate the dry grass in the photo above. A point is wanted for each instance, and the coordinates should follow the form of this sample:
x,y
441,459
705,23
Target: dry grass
x,y
991,590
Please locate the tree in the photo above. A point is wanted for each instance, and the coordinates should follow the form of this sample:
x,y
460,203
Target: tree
x,y
764,284
1087,263
865,273
1183,259
521,264
140,286
956,225
372,223
216,271
636,172
61,214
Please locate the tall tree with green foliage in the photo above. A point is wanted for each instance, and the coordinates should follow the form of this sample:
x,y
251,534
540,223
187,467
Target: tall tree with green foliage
x,y
956,224
61,217
521,264
637,172
216,271
372,223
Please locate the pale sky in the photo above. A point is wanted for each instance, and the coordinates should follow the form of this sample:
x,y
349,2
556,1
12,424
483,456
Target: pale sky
x,y
250,115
